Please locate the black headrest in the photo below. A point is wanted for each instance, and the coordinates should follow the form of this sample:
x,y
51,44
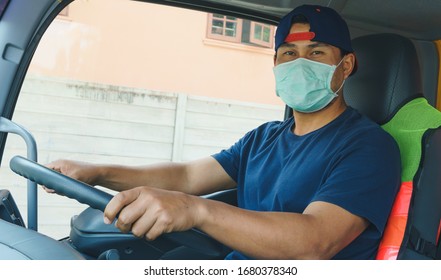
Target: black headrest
x,y
388,76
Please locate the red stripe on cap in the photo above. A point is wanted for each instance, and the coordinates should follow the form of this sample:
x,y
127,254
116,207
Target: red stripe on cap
x,y
300,36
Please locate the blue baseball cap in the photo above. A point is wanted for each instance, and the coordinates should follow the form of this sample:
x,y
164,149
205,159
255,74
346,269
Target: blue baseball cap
x,y
326,26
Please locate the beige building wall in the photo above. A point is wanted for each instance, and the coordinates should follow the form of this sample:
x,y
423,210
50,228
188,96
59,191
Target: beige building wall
x,y
121,42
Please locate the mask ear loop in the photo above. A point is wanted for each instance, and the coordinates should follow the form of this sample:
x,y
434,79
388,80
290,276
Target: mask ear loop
x,y
344,80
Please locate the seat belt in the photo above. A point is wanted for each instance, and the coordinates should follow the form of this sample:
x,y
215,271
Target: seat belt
x,y
423,246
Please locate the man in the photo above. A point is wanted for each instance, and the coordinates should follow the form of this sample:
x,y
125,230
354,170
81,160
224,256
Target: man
x,y
319,185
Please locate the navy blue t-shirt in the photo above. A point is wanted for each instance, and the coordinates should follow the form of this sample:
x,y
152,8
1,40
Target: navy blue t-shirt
x,y
351,162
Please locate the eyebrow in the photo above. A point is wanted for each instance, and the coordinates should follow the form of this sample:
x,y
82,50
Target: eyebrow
x,y
311,46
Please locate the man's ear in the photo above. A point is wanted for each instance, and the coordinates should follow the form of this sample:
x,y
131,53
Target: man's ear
x,y
275,58
348,64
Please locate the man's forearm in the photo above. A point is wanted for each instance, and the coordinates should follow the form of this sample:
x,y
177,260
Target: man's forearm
x,y
281,235
197,177
168,176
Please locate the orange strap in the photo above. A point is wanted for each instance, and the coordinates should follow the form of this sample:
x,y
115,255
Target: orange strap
x,y
396,225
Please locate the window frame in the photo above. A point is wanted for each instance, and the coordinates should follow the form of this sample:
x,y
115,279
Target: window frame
x,y
245,32
235,39
258,41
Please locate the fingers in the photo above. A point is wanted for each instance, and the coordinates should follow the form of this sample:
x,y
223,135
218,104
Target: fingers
x,y
162,224
131,212
48,190
54,166
143,226
118,202
127,207
149,212
82,171
135,217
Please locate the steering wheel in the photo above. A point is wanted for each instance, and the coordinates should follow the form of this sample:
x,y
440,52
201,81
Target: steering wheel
x,y
98,199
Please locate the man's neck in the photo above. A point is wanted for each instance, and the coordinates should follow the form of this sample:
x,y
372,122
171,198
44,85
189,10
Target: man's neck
x,y
308,122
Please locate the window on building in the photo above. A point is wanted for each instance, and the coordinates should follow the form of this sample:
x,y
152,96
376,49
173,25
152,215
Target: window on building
x,y
225,28
262,34
232,29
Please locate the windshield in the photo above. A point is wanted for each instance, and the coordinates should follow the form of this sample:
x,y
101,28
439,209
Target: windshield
x,y
154,84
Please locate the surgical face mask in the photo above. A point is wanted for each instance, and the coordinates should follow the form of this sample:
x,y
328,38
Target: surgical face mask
x,y
305,85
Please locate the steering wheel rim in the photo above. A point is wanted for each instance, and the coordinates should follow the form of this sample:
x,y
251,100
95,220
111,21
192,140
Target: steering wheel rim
x,y
98,199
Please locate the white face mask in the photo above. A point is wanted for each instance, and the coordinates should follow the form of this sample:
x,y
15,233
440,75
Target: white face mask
x,y
305,85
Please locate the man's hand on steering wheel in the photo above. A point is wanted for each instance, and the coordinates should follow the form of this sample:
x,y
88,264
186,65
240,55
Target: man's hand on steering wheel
x,y
150,212
77,170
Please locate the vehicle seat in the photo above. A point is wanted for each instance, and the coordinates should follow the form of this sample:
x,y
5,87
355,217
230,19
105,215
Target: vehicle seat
x,y
388,89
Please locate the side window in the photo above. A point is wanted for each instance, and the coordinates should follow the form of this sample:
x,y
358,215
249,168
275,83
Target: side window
x,y
136,89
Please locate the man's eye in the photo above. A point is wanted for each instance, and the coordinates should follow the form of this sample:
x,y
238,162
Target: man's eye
x,y
317,52
288,53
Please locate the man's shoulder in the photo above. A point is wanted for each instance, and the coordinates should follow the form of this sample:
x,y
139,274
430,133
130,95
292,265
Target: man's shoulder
x,y
367,132
363,124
